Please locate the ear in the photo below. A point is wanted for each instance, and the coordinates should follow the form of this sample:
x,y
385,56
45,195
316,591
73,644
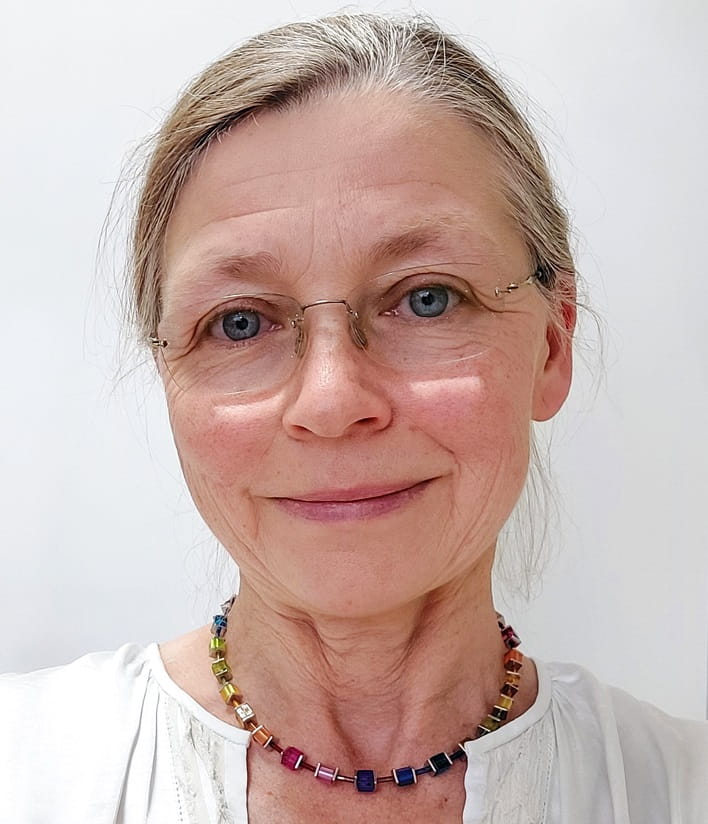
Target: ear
x,y
556,371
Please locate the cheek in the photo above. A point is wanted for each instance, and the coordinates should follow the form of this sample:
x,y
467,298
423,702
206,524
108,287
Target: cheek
x,y
467,412
483,423
221,447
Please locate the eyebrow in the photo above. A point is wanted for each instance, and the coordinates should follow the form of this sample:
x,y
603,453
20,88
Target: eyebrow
x,y
259,264
426,234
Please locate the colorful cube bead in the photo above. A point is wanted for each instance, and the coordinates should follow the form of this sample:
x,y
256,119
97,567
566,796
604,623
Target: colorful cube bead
x,y
513,660
328,774
405,776
292,758
513,678
217,647
262,735
440,762
499,713
244,713
511,639
365,781
504,702
221,669
509,689
218,628
490,723
229,692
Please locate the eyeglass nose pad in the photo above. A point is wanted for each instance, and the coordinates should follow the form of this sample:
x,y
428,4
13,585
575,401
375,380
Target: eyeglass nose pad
x,y
358,334
297,324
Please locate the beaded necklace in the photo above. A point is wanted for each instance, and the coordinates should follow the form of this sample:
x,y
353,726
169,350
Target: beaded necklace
x,y
365,781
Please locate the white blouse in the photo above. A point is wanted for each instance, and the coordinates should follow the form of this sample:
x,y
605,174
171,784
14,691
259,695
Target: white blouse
x,y
111,739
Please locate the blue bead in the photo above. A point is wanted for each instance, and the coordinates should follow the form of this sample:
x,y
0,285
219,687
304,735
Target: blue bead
x,y
218,628
440,762
365,781
404,776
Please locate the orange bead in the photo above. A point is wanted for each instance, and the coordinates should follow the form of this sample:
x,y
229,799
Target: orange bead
x,y
513,660
262,735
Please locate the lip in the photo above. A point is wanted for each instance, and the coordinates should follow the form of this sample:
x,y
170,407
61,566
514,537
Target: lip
x,y
351,504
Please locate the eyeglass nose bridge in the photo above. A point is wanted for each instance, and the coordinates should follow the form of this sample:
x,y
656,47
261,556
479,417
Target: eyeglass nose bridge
x,y
357,333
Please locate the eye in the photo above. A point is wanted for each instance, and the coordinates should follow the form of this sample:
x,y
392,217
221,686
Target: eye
x,y
430,301
427,300
245,319
240,325
420,299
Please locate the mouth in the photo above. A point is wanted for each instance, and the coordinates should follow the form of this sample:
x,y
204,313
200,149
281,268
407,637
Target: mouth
x,y
351,504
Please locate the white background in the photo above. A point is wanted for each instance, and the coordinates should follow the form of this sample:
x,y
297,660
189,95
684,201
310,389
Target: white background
x,y
98,542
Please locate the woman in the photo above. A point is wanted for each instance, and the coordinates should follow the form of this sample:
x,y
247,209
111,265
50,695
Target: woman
x,y
355,278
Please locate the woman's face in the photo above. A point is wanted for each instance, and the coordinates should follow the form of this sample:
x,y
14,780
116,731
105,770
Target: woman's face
x,y
353,488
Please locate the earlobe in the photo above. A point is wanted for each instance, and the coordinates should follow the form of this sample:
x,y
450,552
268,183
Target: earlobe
x,y
555,374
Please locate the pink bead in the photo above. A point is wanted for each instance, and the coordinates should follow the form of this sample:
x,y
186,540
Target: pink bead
x,y
326,773
511,639
292,758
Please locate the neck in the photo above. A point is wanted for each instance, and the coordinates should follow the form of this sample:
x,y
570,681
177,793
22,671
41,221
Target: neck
x,y
375,689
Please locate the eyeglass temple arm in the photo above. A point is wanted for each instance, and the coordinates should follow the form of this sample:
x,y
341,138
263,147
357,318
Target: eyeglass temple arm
x,y
543,274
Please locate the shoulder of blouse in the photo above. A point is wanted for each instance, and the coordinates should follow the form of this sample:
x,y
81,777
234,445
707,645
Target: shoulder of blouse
x,y
68,731
658,762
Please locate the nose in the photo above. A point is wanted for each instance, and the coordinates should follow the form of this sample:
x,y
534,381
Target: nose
x,y
337,390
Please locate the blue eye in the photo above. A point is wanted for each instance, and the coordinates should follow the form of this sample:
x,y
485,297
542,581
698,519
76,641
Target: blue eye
x,y
241,325
429,302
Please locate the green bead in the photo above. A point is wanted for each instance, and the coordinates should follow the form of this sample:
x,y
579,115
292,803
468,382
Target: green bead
x,y
217,647
221,669
491,723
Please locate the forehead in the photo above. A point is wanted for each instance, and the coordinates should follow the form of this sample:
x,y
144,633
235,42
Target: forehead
x,y
345,185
